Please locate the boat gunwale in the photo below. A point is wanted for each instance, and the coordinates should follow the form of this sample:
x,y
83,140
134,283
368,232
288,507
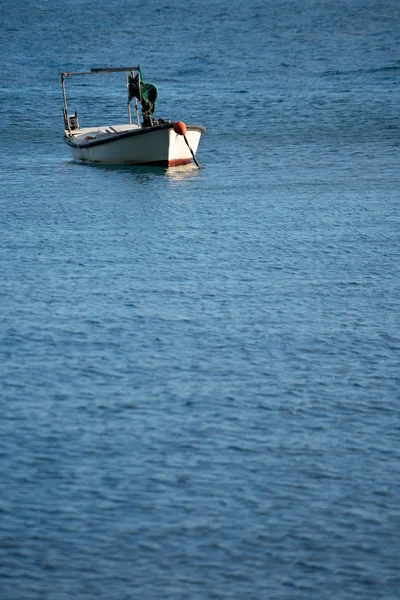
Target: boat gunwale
x,y
130,133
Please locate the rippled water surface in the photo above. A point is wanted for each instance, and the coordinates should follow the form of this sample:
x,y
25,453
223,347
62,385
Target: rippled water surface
x,y
199,369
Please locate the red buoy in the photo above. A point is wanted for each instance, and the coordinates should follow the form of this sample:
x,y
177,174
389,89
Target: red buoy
x,y
180,128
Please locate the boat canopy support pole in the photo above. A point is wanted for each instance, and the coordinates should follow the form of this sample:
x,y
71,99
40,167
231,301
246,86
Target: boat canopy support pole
x,y
129,104
66,120
137,112
132,74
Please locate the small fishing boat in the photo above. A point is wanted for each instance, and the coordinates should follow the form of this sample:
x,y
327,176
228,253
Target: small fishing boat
x,y
147,142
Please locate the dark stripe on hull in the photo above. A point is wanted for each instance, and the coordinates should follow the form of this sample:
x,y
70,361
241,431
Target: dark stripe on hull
x,y
177,162
132,133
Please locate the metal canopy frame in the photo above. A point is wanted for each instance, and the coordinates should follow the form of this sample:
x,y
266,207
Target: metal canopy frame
x,y
99,70
96,71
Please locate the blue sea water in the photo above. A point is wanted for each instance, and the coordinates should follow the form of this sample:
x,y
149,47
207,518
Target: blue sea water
x,y
200,369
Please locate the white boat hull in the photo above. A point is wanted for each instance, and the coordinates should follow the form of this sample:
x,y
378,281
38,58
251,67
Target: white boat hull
x,y
130,145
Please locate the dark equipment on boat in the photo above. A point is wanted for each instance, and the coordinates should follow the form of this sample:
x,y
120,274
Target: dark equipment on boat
x,y
71,121
146,93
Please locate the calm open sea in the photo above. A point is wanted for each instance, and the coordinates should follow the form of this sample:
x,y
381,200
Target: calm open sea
x,y
200,369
